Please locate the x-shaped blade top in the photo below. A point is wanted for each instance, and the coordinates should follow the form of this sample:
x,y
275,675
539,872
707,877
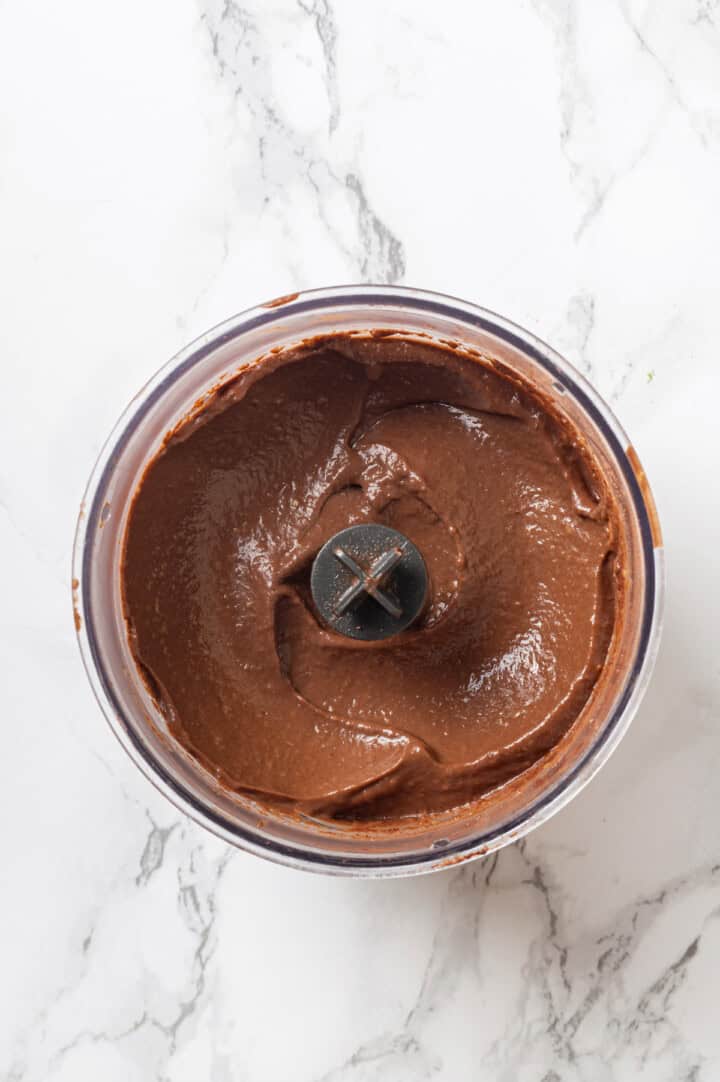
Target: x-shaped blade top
x,y
371,581
351,585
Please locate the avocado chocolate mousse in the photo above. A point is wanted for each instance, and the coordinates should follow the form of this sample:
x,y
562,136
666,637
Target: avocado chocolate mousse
x,y
487,496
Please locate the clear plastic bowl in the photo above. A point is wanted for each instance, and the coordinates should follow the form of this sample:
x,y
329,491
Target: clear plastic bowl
x,y
440,839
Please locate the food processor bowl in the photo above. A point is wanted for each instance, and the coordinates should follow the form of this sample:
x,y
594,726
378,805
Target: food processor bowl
x,y
418,844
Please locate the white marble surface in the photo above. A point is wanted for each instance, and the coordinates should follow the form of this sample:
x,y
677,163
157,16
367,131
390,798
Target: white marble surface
x,y
166,163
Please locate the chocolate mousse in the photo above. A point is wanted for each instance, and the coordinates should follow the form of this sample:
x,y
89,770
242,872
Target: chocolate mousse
x,y
501,497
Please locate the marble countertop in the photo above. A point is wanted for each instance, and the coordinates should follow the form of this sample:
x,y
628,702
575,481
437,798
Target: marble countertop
x,y
167,163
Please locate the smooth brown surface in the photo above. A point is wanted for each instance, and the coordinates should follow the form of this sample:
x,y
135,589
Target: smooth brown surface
x,y
515,526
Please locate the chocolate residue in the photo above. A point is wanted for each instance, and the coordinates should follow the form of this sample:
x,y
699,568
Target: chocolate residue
x,y
279,301
77,619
